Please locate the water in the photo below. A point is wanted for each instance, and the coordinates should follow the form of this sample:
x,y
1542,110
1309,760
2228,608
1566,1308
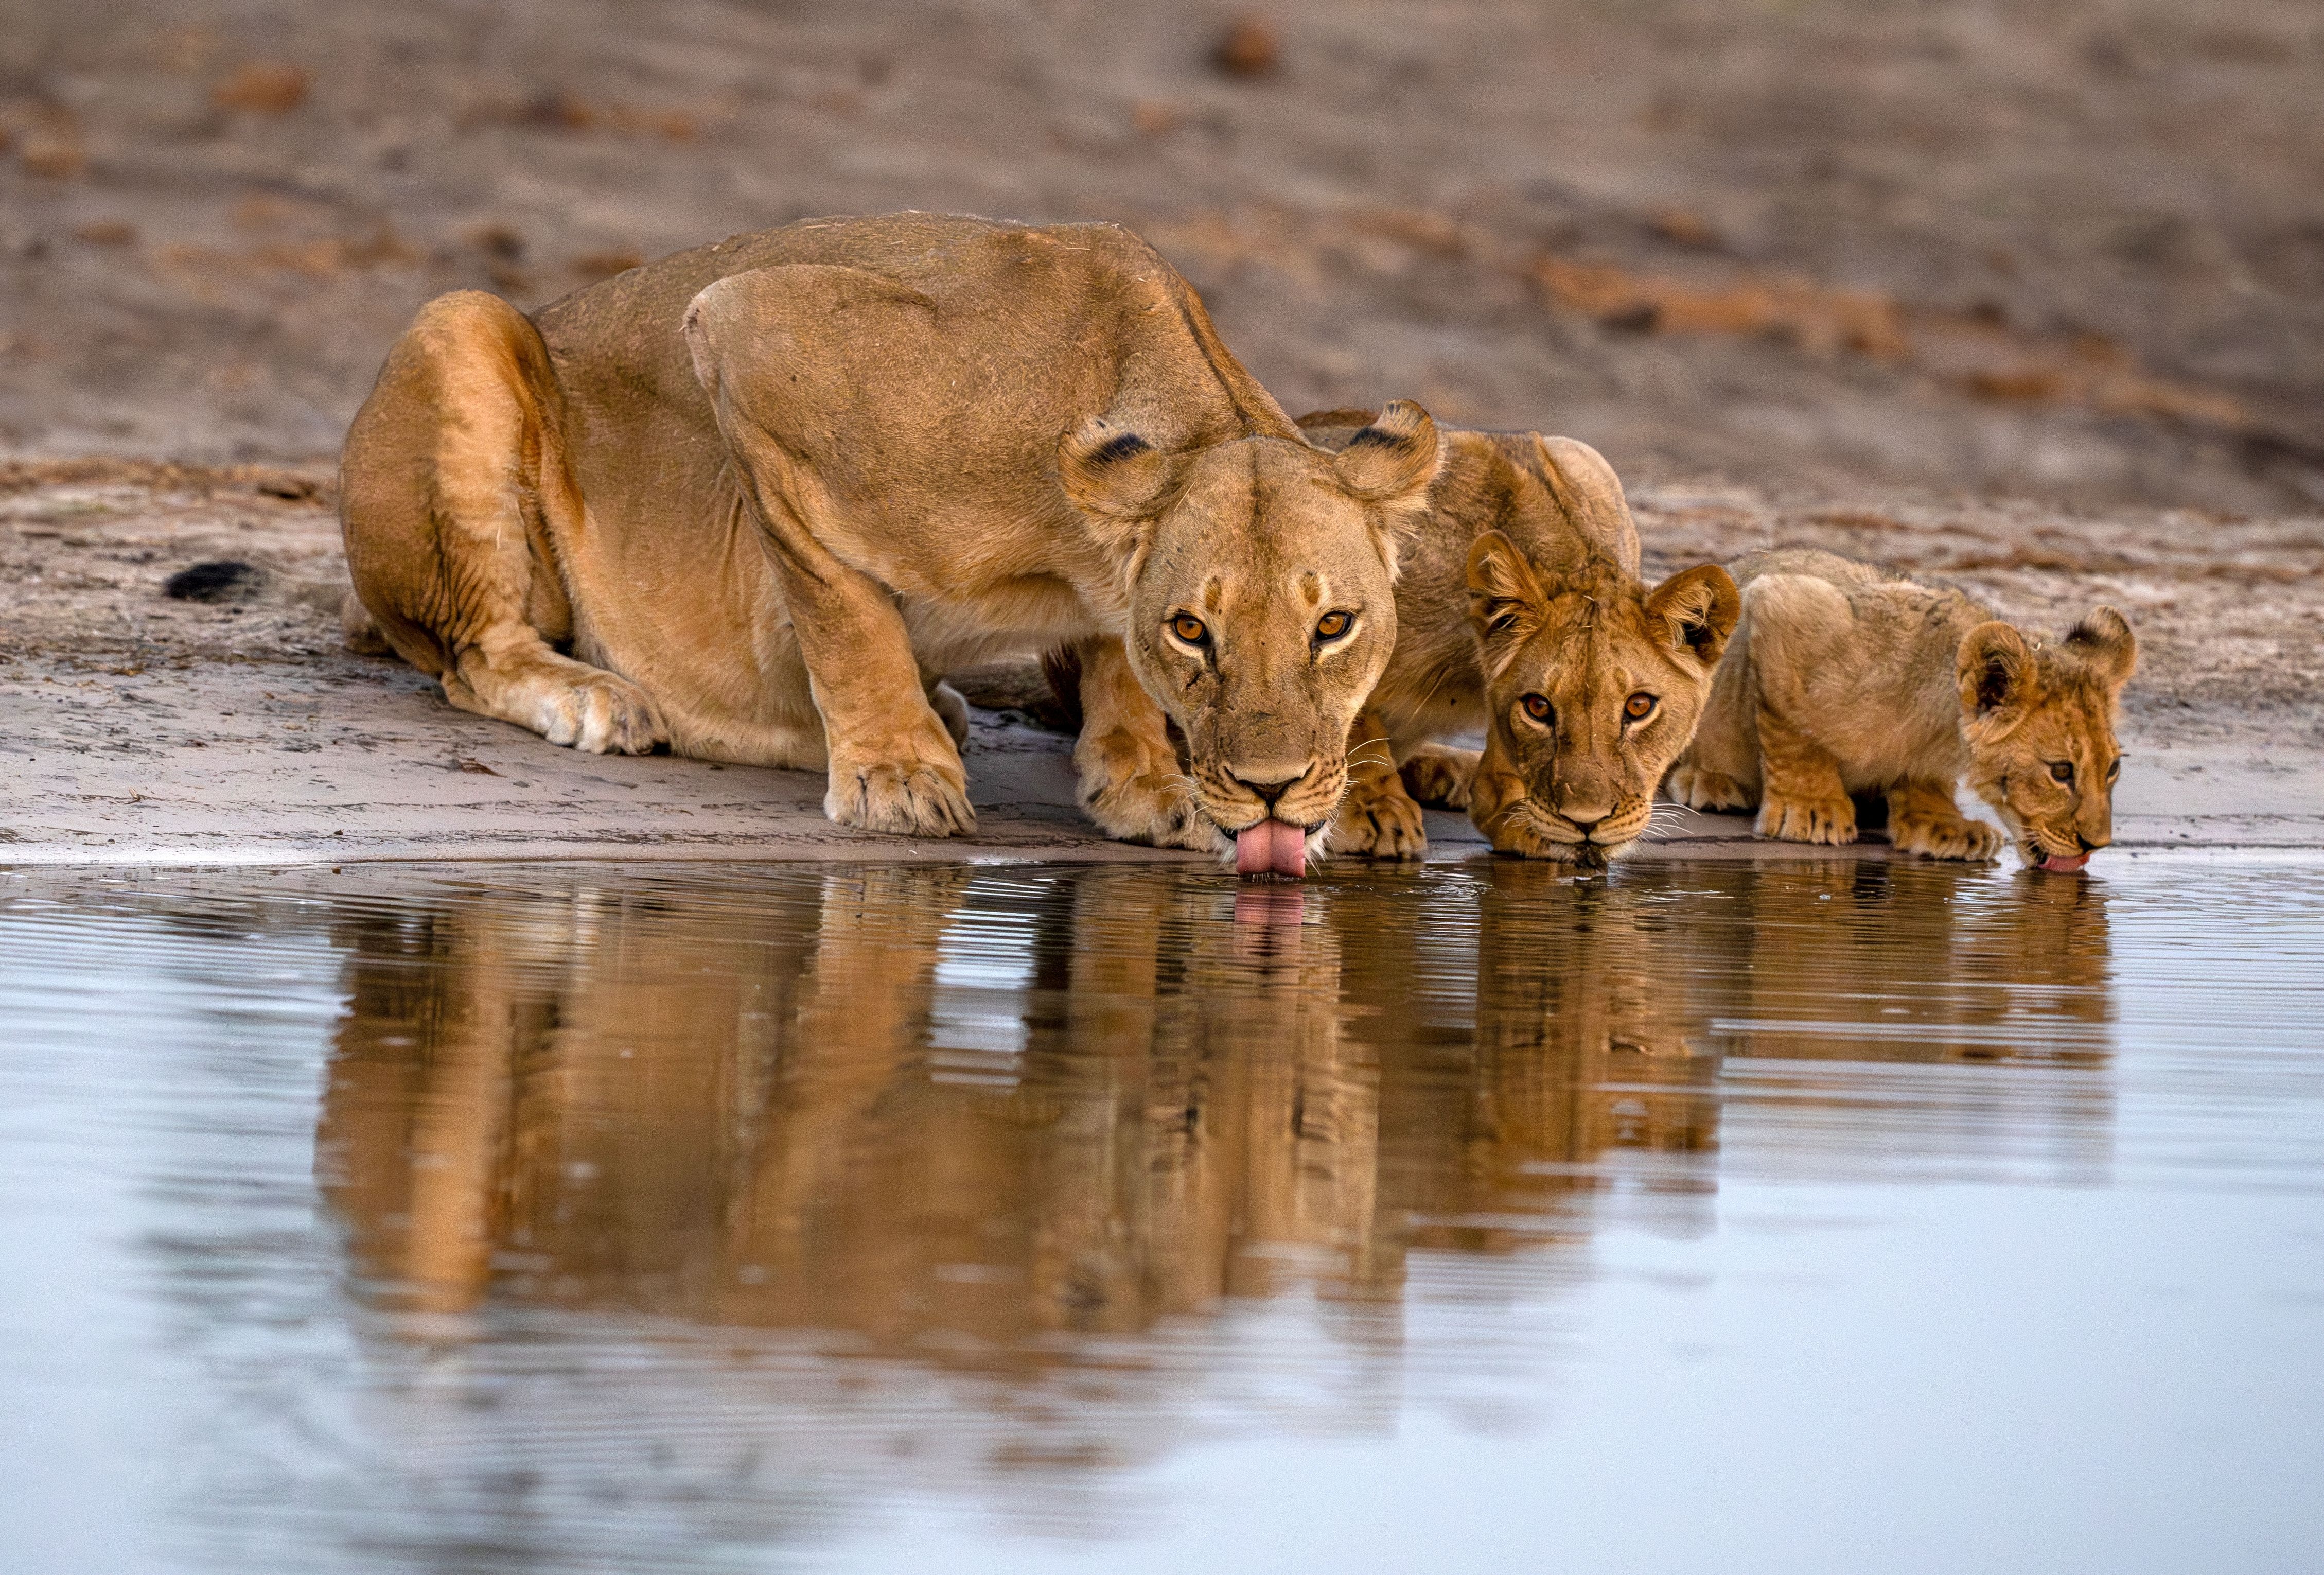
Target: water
x,y
1794,1217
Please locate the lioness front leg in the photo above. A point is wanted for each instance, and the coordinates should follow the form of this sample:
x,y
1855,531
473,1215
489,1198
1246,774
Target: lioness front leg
x,y
1439,776
894,766
1376,816
452,480
1130,782
1802,797
1924,819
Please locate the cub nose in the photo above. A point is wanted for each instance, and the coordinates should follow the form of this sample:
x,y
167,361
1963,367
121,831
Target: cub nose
x,y
1585,815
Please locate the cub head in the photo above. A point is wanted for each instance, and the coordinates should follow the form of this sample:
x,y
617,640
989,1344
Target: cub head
x,y
1259,579
2038,720
1593,681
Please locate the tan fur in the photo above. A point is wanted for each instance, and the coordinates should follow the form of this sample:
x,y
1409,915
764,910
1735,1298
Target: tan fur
x,y
1844,680
1524,582
753,500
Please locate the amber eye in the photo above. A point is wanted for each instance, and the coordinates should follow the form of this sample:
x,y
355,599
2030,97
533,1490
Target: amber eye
x,y
2115,769
1638,707
2061,771
1332,625
1190,629
1538,707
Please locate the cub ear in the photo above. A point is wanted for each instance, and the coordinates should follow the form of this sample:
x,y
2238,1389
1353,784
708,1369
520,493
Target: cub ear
x,y
1110,472
1392,460
1996,672
1590,494
1505,595
1697,609
2103,640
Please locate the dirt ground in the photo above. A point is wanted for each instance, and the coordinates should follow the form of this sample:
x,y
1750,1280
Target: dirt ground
x,y
2029,295
2067,249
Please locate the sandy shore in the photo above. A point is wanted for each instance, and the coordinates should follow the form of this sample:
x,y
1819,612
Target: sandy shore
x,y
139,729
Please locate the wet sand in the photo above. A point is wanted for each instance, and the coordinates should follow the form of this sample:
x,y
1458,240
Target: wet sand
x,y
140,729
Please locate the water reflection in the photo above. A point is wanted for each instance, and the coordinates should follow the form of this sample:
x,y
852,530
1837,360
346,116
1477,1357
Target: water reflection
x,y
969,1115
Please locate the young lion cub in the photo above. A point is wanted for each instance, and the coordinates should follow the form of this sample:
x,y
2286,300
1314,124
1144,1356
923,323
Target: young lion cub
x,y
1842,680
1521,615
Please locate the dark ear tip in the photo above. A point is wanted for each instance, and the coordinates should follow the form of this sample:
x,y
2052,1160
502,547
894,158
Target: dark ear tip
x,y
1121,446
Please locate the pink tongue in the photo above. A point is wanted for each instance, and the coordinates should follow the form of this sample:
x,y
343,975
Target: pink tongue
x,y
1271,846
2065,865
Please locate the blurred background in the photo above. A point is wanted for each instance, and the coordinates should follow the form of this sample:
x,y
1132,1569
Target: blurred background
x,y
2063,249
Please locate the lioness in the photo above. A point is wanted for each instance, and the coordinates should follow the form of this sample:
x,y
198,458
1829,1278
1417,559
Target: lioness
x,y
751,501
1844,679
1521,612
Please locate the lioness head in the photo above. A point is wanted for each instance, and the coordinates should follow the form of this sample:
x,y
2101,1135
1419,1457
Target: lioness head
x,y
1260,580
2038,720
1593,682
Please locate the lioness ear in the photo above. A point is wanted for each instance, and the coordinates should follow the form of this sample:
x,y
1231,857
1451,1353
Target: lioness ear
x,y
1995,671
1111,473
1591,493
1505,595
2103,640
1697,609
1392,460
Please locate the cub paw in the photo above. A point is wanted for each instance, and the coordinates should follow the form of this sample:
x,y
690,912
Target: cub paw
x,y
1960,839
1696,787
1827,821
1381,822
913,799
604,715
1441,778
1135,794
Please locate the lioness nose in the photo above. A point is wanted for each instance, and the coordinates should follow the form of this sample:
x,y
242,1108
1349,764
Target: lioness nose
x,y
1269,792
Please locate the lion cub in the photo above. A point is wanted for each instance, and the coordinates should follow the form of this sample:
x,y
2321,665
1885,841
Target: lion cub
x,y
1521,615
1842,678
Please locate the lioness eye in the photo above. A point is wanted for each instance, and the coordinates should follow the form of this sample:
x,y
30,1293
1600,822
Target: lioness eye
x,y
2114,769
1332,625
2061,771
1189,628
1537,707
1638,707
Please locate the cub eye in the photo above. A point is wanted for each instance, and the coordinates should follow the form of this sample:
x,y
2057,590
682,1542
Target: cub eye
x,y
2061,771
1538,707
1332,625
1638,707
2114,768
1190,629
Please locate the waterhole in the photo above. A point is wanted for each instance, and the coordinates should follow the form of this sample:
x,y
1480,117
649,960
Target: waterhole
x,y
1787,1216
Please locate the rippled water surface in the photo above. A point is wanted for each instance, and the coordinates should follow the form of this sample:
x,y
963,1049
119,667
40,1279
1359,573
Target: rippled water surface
x,y
1851,1218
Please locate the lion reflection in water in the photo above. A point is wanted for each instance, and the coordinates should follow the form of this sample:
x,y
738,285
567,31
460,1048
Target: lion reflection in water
x,y
954,1113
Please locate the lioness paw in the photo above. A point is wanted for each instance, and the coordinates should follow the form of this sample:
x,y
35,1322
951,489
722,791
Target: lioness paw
x,y
1958,838
1441,778
603,715
1696,787
1381,824
1135,793
910,800
1826,821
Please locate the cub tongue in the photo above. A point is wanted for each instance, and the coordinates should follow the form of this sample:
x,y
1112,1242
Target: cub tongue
x,y
1271,847
2064,865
